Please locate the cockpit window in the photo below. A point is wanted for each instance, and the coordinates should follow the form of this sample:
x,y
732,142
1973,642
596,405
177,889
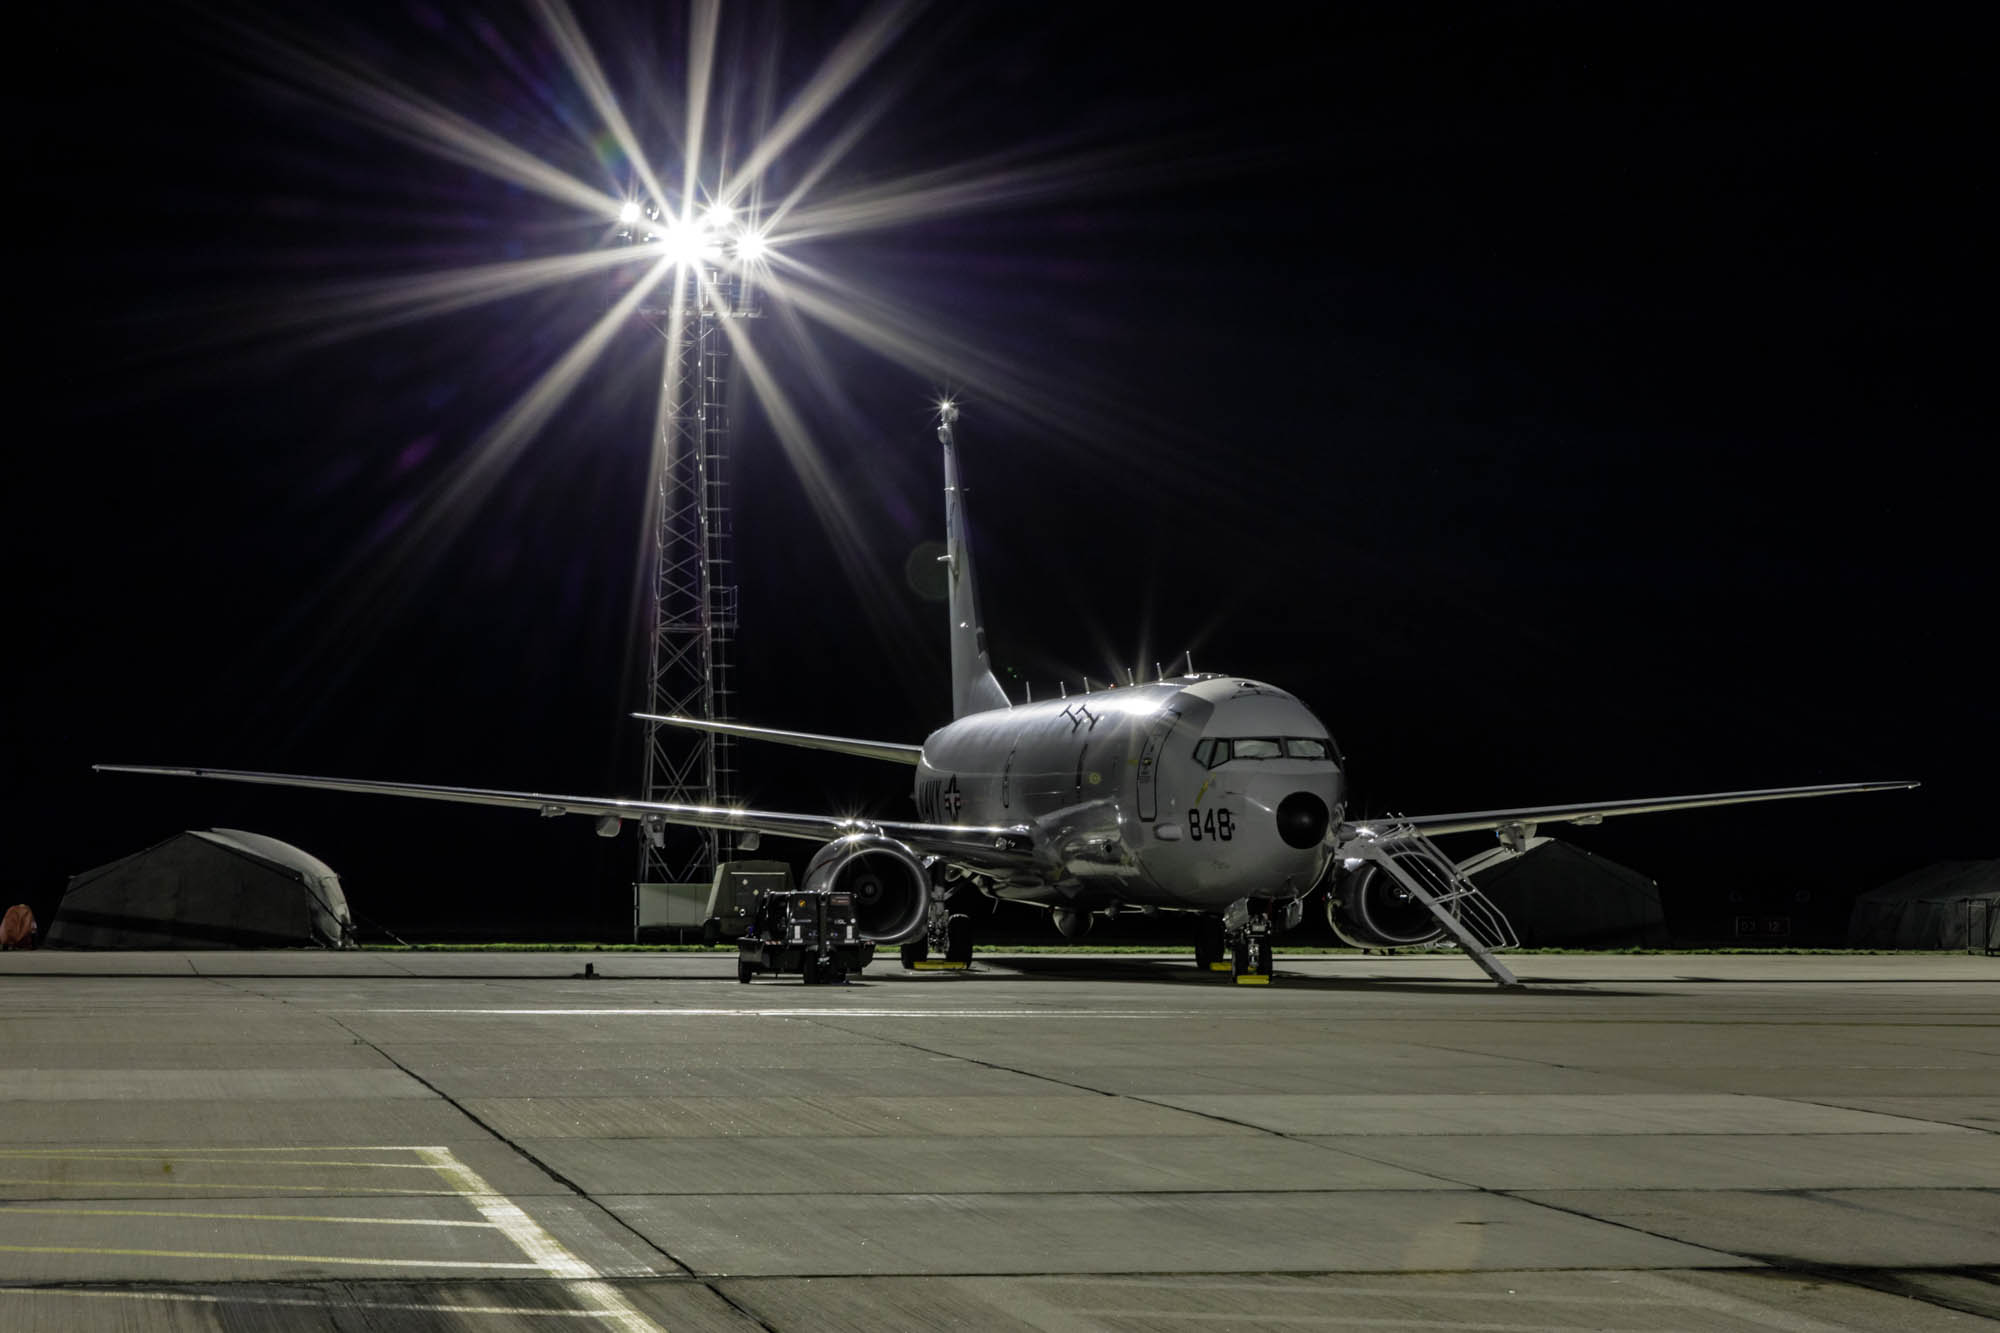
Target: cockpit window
x,y
1220,750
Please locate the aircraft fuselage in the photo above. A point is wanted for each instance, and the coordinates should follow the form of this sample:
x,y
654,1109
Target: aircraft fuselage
x,y
1186,793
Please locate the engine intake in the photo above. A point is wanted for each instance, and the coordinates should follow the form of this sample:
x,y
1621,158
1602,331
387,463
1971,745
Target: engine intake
x,y
891,888
1368,909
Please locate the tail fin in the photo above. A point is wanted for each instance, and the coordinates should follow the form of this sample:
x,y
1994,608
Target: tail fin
x,y
973,688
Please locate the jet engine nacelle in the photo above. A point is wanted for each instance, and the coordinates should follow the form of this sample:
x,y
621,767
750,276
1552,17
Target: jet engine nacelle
x,y
891,888
1368,909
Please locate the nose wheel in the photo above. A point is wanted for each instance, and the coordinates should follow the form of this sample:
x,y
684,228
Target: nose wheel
x,y
1250,951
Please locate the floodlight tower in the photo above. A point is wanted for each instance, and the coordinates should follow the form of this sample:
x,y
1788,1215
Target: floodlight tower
x,y
693,591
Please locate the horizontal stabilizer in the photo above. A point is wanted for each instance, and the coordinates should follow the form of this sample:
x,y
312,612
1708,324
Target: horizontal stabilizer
x,y
889,750
1591,812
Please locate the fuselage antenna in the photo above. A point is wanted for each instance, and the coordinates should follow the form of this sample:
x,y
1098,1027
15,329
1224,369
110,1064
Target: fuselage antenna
x,y
1189,653
1029,685
1157,673
1063,685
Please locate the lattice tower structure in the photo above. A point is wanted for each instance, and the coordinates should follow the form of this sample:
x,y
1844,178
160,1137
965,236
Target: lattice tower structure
x,y
694,589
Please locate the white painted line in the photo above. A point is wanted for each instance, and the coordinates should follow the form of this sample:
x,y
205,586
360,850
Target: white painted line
x,y
1406,1292
9,1209
1354,1321
535,1242
658,1012
297,1302
267,1258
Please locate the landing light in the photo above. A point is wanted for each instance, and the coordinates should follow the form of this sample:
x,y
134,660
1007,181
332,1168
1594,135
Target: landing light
x,y
750,246
628,212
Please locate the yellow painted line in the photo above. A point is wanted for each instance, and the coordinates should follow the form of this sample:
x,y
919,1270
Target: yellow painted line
x,y
535,1242
71,1155
265,1258
157,1150
71,1183
204,1298
8,1210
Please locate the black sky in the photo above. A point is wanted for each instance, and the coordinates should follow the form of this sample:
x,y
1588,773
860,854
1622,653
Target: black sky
x,y
1566,401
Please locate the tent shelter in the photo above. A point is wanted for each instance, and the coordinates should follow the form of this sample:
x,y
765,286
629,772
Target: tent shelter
x,y
1558,896
1950,905
205,889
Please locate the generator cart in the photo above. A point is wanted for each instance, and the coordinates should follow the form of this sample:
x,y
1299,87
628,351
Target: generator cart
x,y
779,928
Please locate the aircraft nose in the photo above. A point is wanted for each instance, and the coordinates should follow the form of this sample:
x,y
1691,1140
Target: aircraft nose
x,y
1302,819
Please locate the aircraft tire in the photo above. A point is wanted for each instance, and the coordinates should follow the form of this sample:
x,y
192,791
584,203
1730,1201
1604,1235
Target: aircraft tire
x,y
1261,956
1239,958
958,937
915,952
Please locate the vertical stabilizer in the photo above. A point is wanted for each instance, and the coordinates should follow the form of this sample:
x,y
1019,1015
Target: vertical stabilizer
x,y
973,688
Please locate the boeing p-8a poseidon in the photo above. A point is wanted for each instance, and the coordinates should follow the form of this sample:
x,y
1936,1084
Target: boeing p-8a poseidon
x,y
1205,794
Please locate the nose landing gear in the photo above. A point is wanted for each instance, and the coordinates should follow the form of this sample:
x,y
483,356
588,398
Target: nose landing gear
x,y
1247,931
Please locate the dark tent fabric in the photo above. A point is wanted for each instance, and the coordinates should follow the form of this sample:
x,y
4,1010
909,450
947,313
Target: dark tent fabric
x,y
205,889
1950,905
1560,896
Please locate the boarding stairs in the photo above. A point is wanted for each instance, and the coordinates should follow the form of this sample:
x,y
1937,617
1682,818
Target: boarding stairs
x,y
1468,916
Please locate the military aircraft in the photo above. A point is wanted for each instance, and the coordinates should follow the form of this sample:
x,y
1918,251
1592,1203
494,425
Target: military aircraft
x,y
1202,793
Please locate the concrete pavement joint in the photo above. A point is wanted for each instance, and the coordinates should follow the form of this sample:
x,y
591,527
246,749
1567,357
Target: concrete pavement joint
x,y
565,1182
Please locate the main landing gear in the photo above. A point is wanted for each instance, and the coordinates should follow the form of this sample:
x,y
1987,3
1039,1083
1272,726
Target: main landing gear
x,y
948,933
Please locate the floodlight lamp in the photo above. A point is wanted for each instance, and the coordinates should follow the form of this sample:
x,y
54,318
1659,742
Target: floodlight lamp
x,y
628,212
687,244
751,246
718,217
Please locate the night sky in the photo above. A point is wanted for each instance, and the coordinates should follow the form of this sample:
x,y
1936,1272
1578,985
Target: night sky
x,y
1565,401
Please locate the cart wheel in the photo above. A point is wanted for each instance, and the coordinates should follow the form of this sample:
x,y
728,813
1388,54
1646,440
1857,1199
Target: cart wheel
x,y
809,971
744,972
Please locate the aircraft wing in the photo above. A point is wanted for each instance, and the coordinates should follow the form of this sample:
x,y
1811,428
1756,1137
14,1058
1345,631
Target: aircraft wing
x,y
1597,811
890,750
1008,847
